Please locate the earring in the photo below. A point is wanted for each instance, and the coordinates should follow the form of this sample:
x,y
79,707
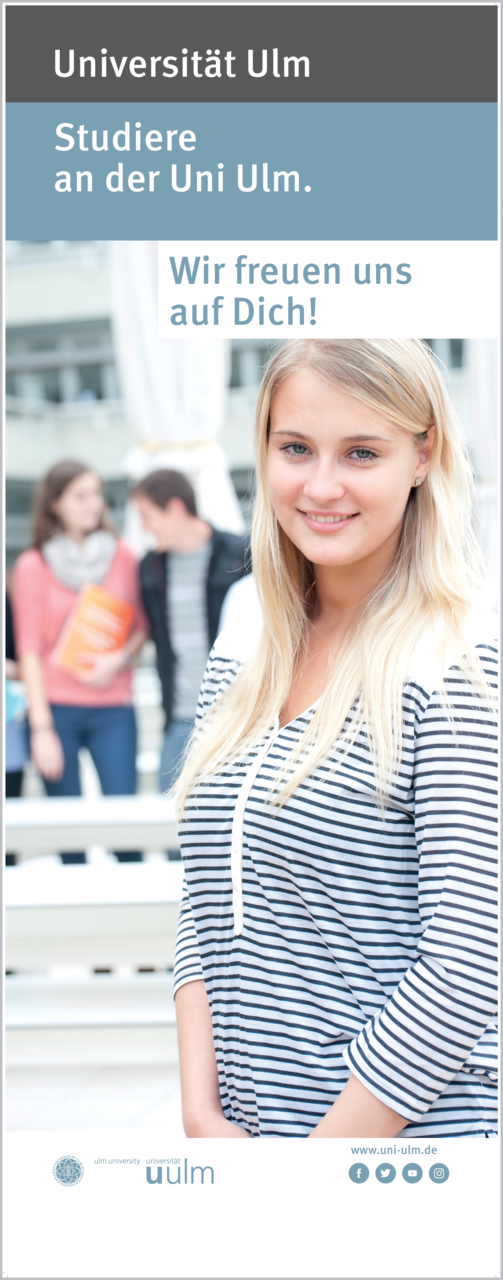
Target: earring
x,y
417,480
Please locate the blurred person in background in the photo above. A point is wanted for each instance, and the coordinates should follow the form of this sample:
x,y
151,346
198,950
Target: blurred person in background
x,y
75,545
16,734
16,740
184,583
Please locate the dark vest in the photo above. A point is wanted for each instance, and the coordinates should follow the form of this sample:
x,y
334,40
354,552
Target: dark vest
x,y
229,561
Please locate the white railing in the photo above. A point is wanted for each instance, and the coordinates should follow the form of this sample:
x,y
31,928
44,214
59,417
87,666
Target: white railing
x,y
64,922
118,822
99,1020
107,915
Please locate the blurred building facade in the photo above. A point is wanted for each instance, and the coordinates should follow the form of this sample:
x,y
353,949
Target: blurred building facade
x,y
63,388
64,396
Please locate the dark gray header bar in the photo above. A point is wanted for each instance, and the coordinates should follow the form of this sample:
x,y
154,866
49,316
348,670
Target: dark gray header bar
x,y
251,53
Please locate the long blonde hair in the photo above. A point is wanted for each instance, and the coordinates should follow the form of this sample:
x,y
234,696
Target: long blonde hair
x,y
434,580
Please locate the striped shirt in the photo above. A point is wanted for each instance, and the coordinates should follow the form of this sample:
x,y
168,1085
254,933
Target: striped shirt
x,y
368,940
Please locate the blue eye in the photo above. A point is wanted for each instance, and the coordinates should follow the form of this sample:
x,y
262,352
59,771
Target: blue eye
x,y
363,455
295,450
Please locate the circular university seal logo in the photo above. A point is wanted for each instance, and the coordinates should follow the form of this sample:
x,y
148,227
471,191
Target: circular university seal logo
x,y
68,1171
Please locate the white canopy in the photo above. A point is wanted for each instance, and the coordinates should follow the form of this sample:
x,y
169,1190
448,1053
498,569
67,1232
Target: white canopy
x,y
175,392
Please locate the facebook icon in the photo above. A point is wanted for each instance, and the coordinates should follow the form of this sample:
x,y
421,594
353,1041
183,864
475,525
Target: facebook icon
x,y
358,1173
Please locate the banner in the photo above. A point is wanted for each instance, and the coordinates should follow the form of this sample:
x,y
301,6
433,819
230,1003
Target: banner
x,y
187,187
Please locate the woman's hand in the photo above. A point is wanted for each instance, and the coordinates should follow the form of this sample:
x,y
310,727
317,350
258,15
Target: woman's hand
x,y
47,753
203,1116
11,669
213,1125
357,1113
104,669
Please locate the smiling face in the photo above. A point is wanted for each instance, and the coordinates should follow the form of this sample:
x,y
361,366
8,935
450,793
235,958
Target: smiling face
x,y
80,506
339,474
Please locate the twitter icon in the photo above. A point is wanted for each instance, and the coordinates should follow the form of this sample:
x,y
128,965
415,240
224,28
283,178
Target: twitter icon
x,y
385,1173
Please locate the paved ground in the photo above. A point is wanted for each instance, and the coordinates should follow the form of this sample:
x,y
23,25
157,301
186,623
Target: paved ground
x,y
92,1098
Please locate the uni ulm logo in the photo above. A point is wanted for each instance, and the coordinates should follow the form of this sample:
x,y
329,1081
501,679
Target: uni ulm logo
x,y
68,1171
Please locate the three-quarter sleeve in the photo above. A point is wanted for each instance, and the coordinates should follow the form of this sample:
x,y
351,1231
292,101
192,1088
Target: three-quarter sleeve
x,y
187,966
409,1053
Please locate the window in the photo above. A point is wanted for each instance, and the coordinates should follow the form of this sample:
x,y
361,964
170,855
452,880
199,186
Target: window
x,y
450,351
61,363
248,360
457,353
90,382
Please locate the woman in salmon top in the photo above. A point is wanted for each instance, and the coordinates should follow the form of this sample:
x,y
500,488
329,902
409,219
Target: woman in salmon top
x,y
75,545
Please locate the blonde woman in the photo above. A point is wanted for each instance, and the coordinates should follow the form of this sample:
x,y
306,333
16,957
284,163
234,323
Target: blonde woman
x,y
335,959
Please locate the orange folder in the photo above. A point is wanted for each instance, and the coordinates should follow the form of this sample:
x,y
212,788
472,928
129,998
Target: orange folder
x,y
97,624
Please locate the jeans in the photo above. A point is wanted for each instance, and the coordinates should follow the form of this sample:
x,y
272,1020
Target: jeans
x,y
109,733
13,782
173,748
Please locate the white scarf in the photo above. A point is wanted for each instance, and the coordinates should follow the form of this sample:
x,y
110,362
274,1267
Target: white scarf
x,y
76,564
